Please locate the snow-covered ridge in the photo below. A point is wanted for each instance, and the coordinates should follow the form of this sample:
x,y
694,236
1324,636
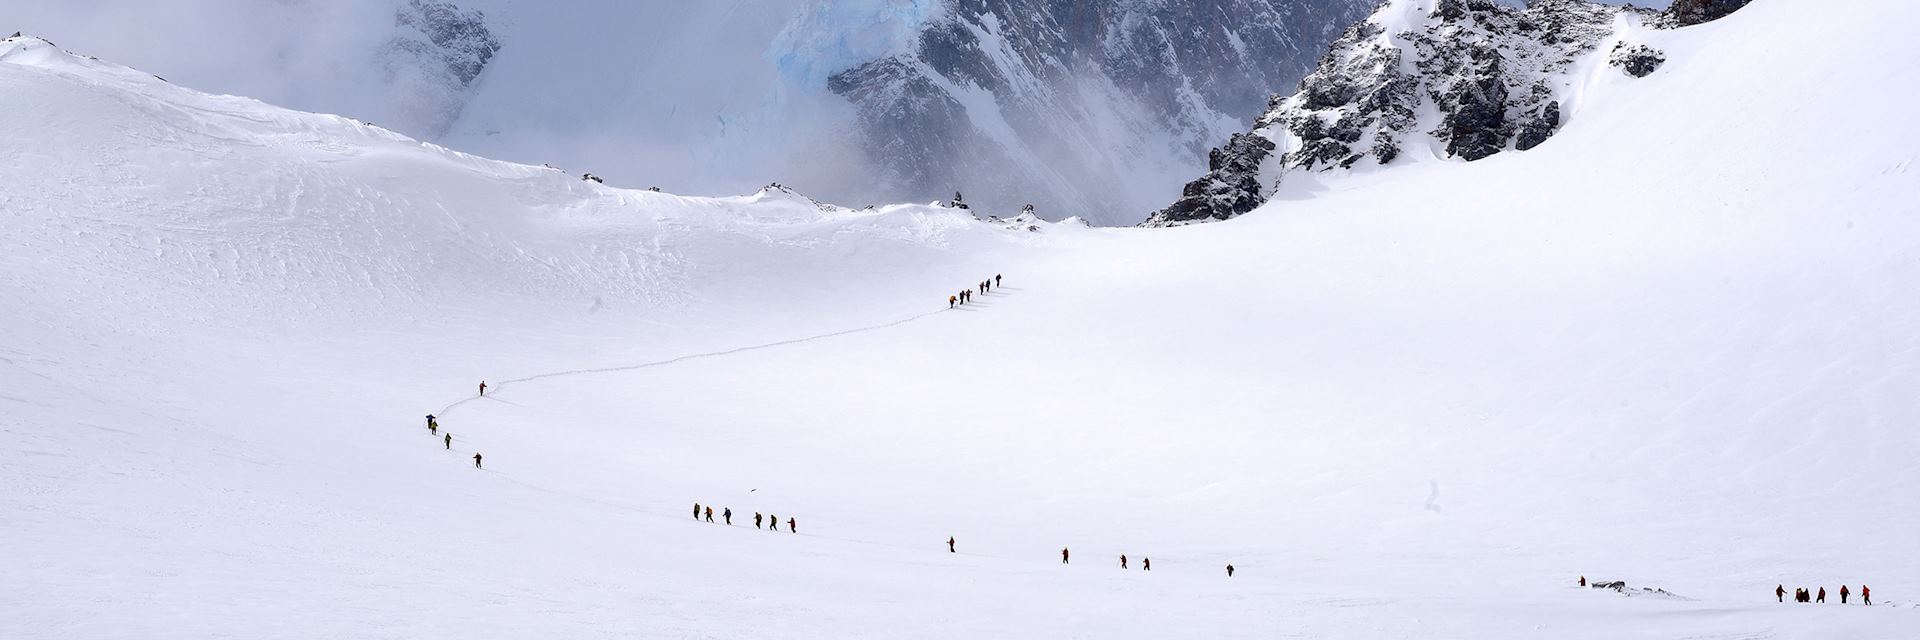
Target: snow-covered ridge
x,y
235,198
1424,79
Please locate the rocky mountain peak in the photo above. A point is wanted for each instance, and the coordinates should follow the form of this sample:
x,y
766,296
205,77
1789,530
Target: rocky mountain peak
x,y
1466,78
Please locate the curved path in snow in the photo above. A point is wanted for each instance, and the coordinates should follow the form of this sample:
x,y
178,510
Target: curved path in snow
x,y
695,356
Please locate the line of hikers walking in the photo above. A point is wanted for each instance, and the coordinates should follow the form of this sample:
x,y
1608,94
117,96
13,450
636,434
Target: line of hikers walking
x,y
1066,557
446,439
1803,595
726,515
967,294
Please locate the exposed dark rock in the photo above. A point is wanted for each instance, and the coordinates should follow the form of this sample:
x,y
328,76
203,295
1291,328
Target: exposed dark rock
x,y
1537,126
1494,71
1638,60
1230,188
1692,12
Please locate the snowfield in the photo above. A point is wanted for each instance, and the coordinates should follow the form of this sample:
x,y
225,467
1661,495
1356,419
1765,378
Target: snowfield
x,y
1676,345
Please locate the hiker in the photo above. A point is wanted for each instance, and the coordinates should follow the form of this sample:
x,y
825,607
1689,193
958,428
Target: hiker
x,y
1123,561
1146,564
1843,594
432,422
476,460
791,527
773,522
983,287
1063,555
952,300
756,519
1822,598
1866,595
1583,581
433,427
996,279
728,515
1229,571
449,441
483,387
1780,592
709,514
696,511
950,544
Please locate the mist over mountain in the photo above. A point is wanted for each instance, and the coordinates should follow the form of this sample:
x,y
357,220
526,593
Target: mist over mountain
x,y
1097,109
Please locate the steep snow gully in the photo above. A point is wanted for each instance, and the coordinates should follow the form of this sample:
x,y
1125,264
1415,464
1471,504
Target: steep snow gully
x,y
1675,346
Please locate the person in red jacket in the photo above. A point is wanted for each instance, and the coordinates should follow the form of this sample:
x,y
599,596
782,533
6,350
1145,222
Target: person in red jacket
x,y
1822,598
1063,555
1780,592
1123,561
1843,594
791,527
1866,595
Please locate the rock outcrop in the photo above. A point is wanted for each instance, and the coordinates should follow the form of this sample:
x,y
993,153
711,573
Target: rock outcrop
x,y
1692,12
1637,60
1468,78
433,61
1229,189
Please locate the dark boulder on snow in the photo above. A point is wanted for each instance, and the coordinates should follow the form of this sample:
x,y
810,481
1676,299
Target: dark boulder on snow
x,y
1692,12
1637,60
1230,188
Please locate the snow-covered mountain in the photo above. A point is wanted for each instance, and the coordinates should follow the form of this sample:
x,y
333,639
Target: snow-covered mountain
x,y
1461,79
1097,109
1663,348
432,63
1083,107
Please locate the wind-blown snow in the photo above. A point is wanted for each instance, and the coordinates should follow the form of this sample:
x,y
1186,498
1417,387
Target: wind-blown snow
x,y
1669,349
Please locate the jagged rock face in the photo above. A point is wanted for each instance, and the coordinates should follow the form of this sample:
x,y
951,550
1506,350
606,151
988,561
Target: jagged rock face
x,y
1230,188
1637,60
1692,12
1491,69
1057,101
1476,77
434,61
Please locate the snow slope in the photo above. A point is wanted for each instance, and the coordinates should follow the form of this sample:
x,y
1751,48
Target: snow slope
x,y
1665,349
